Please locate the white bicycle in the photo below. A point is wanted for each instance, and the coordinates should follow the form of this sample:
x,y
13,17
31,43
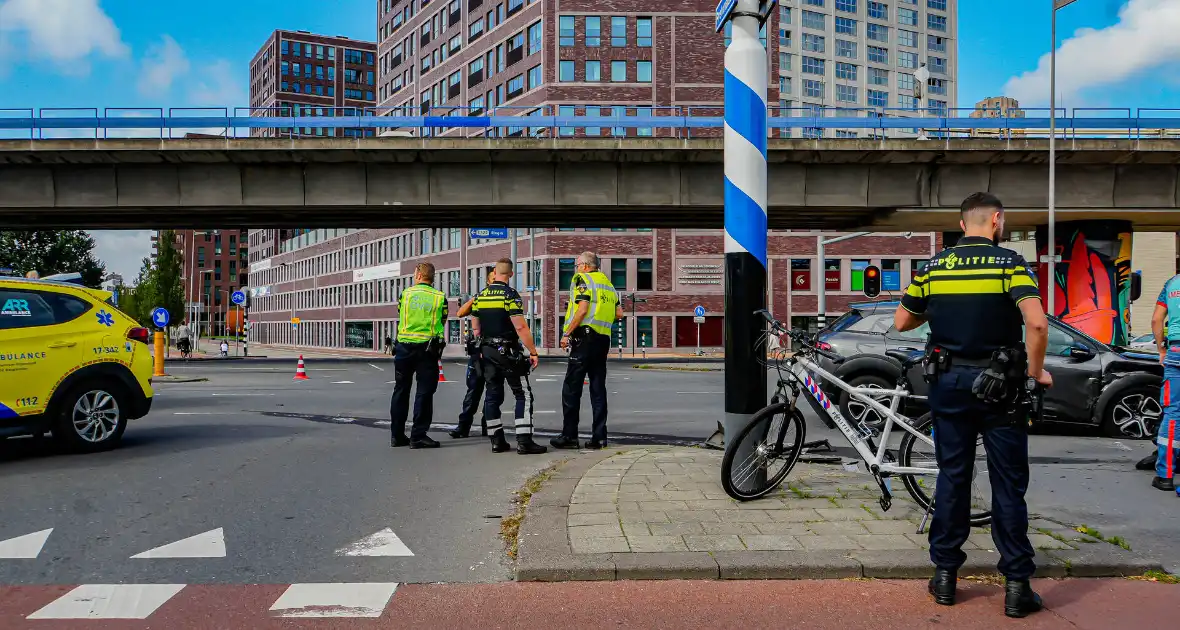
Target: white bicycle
x,y
766,449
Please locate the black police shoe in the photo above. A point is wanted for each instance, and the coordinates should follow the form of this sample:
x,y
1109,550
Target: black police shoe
x,y
499,444
565,443
459,434
1020,600
1147,463
595,445
942,587
526,446
424,443
398,440
1167,485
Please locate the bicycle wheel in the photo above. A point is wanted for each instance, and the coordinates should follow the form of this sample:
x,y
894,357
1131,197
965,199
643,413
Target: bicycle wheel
x,y
769,446
916,453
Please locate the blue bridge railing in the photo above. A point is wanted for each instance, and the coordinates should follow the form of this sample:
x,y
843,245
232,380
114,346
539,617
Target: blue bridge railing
x,y
579,121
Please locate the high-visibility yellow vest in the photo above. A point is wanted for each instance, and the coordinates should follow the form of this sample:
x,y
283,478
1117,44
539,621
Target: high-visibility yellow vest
x,y
603,301
422,311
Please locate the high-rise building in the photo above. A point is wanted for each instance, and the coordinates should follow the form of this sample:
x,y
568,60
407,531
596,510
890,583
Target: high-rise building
x,y
214,264
635,56
998,107
297,73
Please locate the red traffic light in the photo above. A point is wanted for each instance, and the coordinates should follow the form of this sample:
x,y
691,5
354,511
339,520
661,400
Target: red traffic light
x,y
872,281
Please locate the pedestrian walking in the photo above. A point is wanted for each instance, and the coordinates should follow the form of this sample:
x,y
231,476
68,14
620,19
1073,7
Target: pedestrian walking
x,y
422,317
593,309
500,326
1165,326
975,297
388,345
474,377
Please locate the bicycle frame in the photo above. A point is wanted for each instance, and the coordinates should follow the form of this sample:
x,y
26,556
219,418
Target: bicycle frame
x,y
803,369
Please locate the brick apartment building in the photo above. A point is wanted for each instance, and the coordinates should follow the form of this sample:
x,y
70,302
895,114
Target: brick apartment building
x,y
214,264
297,73
631,57
343,284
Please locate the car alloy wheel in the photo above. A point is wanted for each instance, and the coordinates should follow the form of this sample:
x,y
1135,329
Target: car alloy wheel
x,y
96,416
1135,415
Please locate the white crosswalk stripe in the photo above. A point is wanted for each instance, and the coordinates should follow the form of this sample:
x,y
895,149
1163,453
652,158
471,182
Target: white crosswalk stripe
x,y
24,547
210,544
109,601
334,600
382,543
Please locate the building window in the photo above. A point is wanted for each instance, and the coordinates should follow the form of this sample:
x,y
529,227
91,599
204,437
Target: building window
x,y
848,6
566,111
878,54
565,273
907,59
285,46
935,43
593,71
535,77
877,98
643,71
784,15
784,61
817,21
877,32
936,22
515,86
813,88
938,65
535,38
813,43
905,101
618,71
845,71
593,31
565,30
846,93
937,86
475,30
643,32
618,31
784,38
846,26
878,76
938,107
644,334
907,16
939,5
814,3
905,81
618,273
845,49
784,85
565,71
812,65
644,275
878,10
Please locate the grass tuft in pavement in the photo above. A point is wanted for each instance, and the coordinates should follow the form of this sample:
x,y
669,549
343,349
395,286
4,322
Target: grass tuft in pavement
x,y
994,579
510,525
1157,576
1118,541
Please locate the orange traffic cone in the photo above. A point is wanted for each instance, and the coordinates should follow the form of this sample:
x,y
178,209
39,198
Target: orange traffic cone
x,y
442,378
300,371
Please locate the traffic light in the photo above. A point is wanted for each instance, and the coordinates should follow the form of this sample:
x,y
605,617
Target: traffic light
x,y
872,281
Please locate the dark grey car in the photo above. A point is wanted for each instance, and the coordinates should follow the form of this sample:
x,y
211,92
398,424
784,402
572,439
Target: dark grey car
x,y
1116,389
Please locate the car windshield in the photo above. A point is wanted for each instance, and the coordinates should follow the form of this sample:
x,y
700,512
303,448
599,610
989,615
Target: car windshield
x,y
1075,331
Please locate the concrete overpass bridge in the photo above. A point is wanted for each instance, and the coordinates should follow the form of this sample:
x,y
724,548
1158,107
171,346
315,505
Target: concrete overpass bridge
x,y
878,184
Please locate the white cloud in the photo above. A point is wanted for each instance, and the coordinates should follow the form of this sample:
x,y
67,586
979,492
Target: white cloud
x,y
163,64
61,31
1143,39
122,250
218,85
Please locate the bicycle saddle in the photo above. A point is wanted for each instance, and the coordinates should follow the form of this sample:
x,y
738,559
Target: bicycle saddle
x,y
908,358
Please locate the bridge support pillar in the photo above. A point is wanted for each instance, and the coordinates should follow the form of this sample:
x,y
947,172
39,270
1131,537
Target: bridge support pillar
x,y
746,80
1092,286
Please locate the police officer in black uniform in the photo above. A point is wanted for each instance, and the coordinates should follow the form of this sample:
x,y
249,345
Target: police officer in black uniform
x,y
475,380
501,329
975,296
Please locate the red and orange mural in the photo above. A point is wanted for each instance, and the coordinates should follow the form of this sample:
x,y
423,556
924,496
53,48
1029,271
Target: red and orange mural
x,y
1092,290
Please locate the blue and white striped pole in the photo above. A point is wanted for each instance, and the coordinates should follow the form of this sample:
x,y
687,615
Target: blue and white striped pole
x,y
746,79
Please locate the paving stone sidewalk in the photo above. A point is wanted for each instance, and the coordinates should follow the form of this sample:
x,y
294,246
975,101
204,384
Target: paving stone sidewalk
x,y
660,513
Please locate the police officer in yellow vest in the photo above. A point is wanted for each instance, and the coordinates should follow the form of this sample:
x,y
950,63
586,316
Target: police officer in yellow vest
x,y
593,308
422,316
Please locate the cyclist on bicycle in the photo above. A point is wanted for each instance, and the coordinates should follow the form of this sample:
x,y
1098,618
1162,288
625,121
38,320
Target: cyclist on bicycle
x,y
184,340
975,296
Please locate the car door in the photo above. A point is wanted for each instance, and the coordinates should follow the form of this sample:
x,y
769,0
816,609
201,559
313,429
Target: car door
x,y
1076,370
37,348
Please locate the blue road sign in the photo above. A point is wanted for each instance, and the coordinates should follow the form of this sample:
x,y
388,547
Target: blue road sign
x,y
160,317
724,8
489,232
238,297
699,311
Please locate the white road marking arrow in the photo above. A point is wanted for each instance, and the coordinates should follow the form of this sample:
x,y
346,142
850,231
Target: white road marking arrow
x,y
24,547
210,544
383,543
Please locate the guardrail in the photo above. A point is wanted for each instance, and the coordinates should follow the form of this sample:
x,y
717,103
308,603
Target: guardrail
x,y
577,120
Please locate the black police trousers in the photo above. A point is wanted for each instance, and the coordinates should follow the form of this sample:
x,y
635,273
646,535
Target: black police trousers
x,y
475,387
410,360
587,362
495,375
959,419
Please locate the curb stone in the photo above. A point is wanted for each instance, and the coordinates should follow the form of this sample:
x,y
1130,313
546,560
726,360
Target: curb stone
x,y
545,554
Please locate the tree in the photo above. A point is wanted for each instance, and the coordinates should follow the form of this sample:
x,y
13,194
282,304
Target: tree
x,y
137,300
167,287
52,251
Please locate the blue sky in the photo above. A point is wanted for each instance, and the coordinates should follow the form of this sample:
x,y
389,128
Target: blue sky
x,y
149,53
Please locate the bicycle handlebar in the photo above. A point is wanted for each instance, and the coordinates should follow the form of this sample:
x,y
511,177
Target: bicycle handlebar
x,y
809,343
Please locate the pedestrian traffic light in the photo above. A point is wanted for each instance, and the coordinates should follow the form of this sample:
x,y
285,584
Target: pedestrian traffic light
x,y
872,281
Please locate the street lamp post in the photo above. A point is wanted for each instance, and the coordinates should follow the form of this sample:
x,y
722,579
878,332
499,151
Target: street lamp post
x,y
1052,247
921,75
821,291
